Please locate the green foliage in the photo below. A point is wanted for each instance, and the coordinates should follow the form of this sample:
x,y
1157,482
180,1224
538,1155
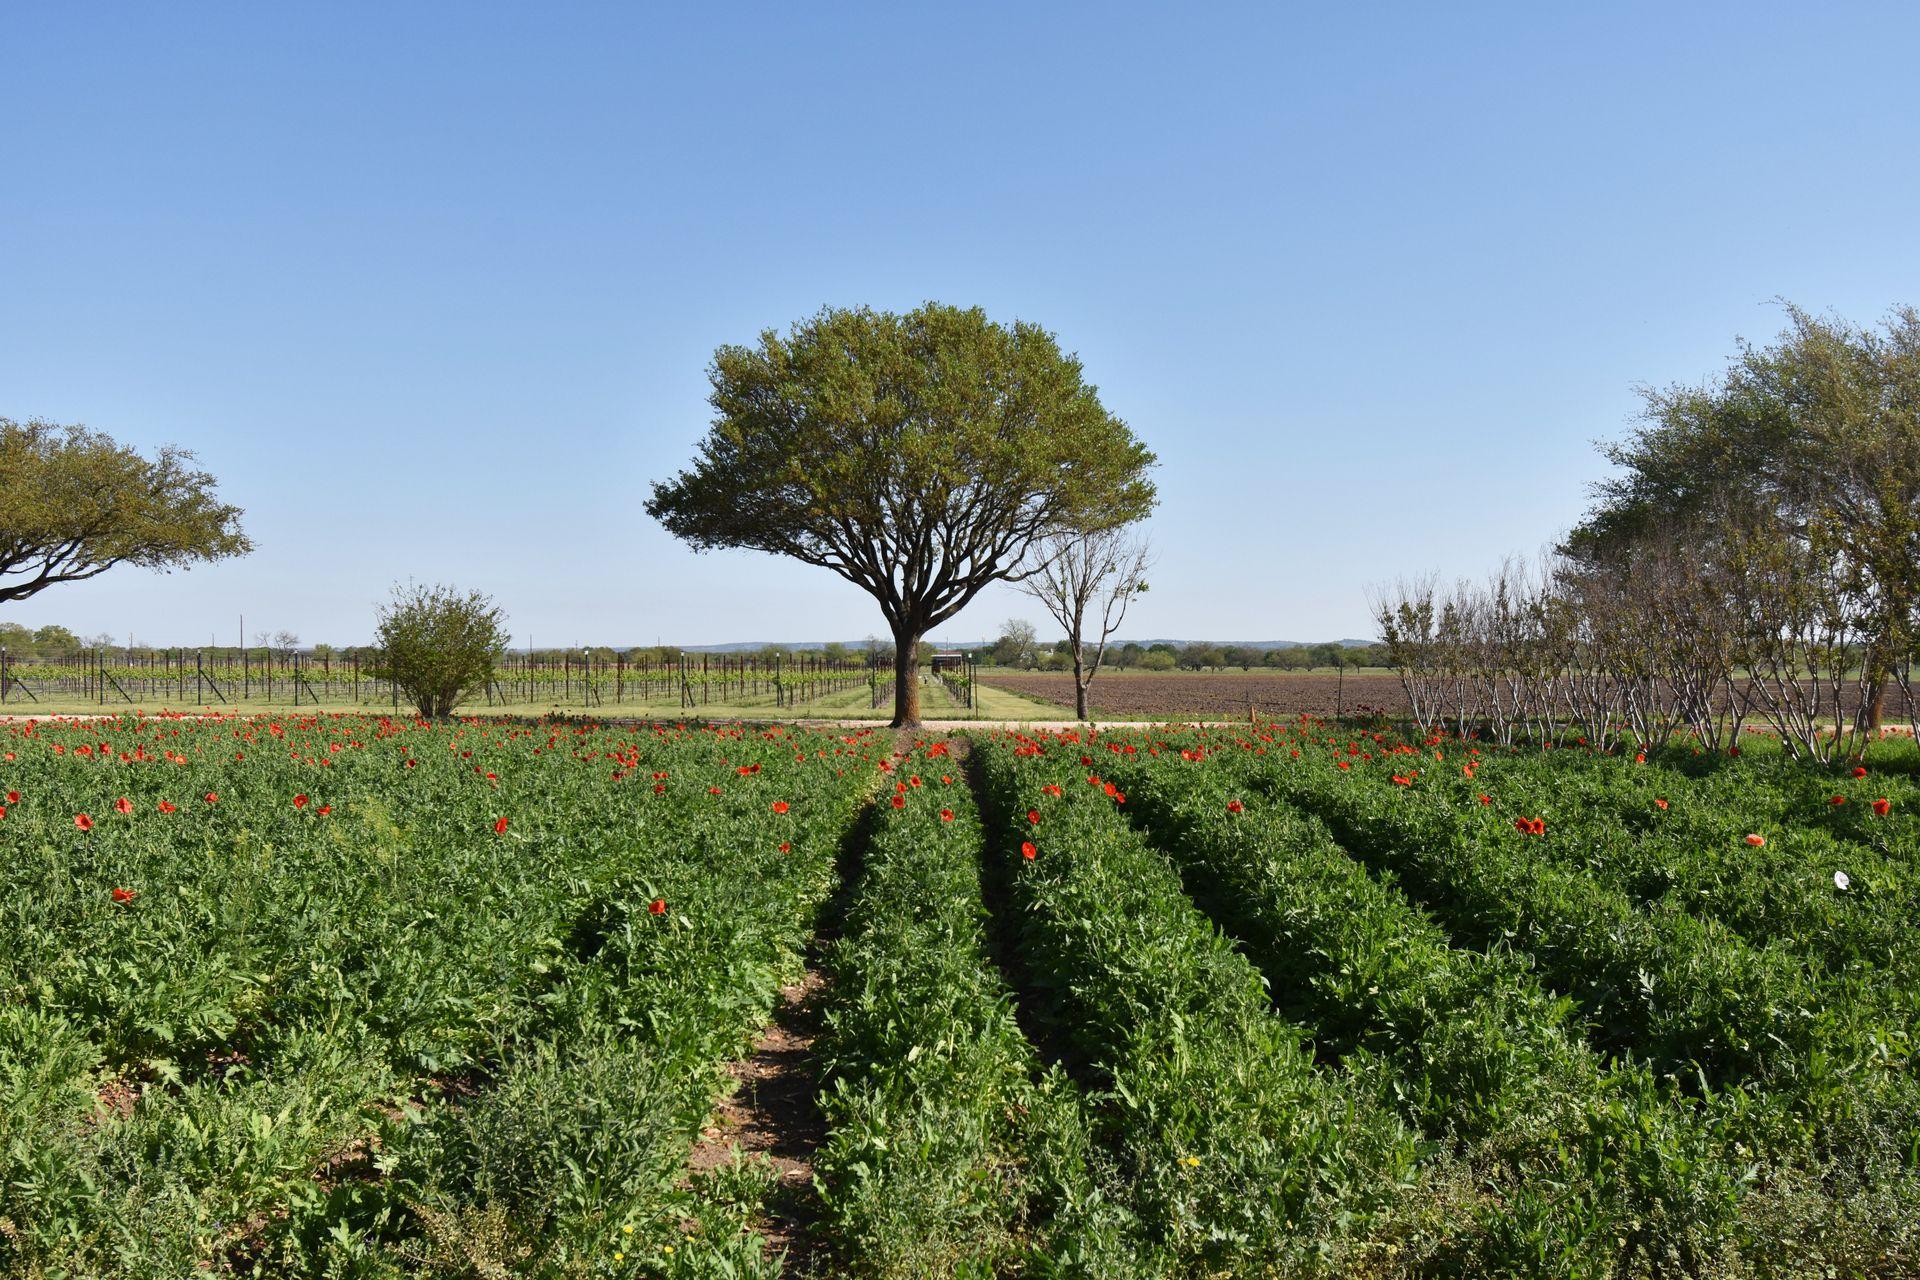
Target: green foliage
x,y
439,644
952,1153
75,504
917,456
1239,1154
369,1033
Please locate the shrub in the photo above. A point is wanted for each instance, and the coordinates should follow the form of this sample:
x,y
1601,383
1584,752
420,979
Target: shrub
x,y
439,644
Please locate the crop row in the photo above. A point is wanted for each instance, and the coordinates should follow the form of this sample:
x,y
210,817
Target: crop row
x,y
1642,1176
397,993
952,1152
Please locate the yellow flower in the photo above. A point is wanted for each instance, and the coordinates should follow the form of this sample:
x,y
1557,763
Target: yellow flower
x,y
666,1248
628,1228
619,1256
1190,1161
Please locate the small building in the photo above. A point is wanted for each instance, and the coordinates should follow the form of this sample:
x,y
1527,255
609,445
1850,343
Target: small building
x,y
952,660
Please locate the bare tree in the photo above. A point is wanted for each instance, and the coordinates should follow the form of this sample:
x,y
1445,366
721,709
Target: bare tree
x,y
1086,581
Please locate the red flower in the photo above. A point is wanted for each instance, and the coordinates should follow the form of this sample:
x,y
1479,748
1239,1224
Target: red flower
x,y
899,801
123,805
1640,757
1027,850
1486,799
1882,806
785,846
1756,841
83,822
212,798
1530,826
499,826
300,801
779,806
659,788
124,896
657,907
1859,771
13,797
1234,806
1838,800
1659,804
1033,816
946,815
946,779
324,810
165,806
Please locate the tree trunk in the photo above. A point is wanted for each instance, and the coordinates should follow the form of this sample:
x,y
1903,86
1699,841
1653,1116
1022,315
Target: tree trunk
x,y
1079,689
906,682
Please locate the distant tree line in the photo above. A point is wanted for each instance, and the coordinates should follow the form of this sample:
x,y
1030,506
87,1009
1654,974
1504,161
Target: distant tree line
x,y
1019,647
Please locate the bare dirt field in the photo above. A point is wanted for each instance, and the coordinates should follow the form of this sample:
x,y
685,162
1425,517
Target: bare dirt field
x,y
1217,695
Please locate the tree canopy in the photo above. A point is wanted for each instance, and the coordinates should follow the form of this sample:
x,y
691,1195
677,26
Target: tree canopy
x,y
918,456
73,504
1810,444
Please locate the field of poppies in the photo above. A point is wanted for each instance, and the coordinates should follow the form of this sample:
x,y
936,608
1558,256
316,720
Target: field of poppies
x,y
370,996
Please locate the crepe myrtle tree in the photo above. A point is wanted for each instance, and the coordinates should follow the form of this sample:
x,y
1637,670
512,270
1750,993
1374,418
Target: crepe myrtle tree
x,y
74,503
918,456
438,644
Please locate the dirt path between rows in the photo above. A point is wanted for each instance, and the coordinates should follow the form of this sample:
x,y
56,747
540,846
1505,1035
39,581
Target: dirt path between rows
x,y
772,1115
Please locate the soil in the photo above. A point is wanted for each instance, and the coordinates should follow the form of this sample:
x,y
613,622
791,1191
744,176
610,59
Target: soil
x,y
1222,695
772,1116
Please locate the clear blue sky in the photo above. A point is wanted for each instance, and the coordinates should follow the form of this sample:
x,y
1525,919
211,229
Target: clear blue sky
x,y
433,288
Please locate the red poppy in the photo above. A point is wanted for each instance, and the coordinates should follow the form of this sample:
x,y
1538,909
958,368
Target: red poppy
x,y
165,806
1756,840
1640,757
13,797
1659,804
1838,800
899,802
124,896
499,826
946,815
1027,850
946,780
659,788
212,798
324,810
1234,806
1033,816
657,907
1882,806
83,822
785,846
300,801
779,806
1486,799
123,805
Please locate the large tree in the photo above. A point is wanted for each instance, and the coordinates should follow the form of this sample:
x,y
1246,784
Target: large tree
x,y
73,504
918,456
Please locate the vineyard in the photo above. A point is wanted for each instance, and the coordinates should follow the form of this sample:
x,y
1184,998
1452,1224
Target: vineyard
x,y
182,678
348,994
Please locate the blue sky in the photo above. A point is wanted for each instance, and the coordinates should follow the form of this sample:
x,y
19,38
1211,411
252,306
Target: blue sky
x,y
433,288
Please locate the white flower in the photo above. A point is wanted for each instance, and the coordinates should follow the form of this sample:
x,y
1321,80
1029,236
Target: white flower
x,y
1841,880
